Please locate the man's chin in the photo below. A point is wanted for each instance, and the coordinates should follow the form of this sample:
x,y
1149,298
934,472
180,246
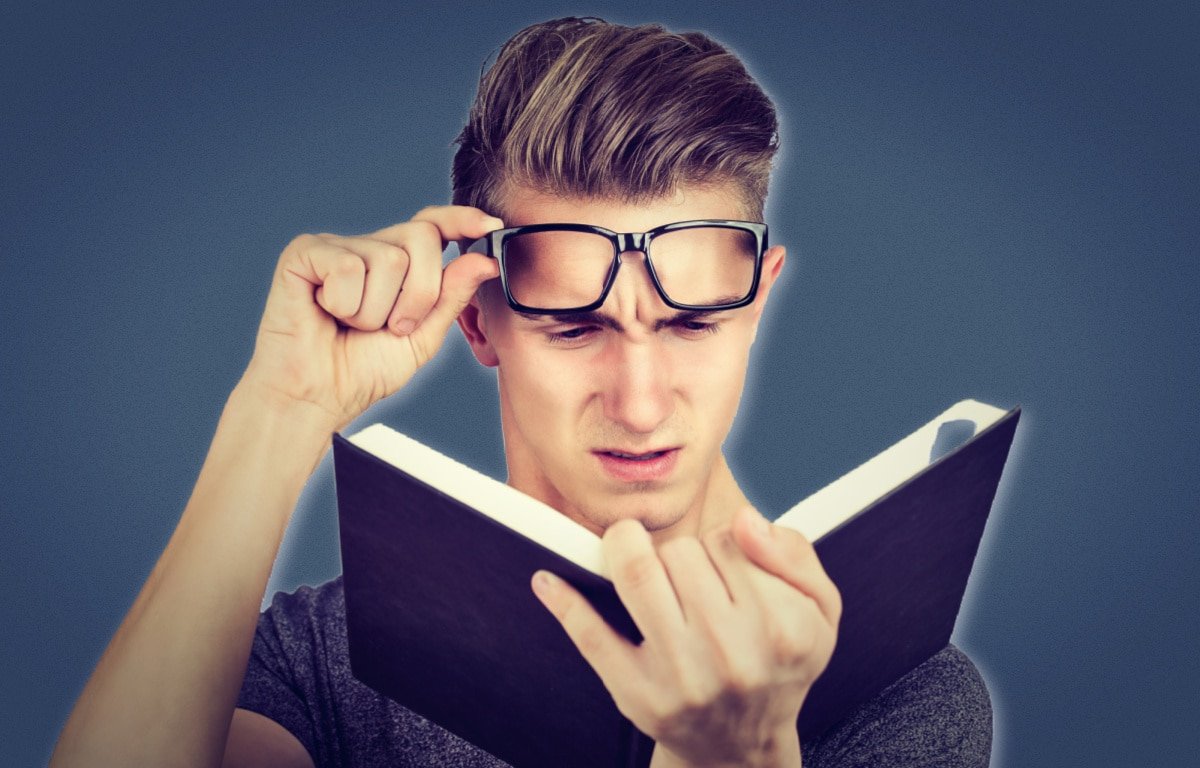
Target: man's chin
x,y
656,511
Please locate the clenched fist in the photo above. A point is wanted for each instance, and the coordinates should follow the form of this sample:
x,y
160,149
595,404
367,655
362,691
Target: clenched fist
x,y
349,320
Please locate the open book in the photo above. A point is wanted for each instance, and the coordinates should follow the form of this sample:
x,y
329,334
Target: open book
x,y
437,560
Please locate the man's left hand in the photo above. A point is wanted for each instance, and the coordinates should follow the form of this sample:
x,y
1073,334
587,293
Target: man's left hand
x,y
736,625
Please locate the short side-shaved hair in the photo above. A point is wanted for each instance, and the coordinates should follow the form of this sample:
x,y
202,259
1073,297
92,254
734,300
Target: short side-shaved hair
x,y
585,108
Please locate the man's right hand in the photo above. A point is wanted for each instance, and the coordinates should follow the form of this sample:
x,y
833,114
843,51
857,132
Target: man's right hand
x,y
331,342
349,320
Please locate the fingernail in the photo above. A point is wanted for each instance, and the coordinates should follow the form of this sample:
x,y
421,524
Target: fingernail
x,y
491,222
544,583
404,326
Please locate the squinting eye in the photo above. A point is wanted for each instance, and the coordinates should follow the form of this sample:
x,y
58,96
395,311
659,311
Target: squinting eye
x,y
698,328
571,334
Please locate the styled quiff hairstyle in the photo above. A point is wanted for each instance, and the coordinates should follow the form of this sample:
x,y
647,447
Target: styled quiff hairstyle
x,y
585,108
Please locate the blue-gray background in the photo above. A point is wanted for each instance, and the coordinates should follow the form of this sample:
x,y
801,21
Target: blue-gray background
x,y
985,202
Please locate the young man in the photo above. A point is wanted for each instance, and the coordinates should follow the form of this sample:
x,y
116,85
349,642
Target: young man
x,y
621,337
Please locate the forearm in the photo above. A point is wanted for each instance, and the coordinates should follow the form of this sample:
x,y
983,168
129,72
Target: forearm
x,y
165,688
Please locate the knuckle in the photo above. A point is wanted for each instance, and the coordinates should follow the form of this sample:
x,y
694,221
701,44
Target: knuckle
x,y
663,712
391,258
789,645
425,231
347,264
678,550
781,646
588,636
638,569
835,601
693,697
739,671
719,541
301,242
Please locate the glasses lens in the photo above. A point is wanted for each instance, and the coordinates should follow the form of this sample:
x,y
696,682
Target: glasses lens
x,y
705,266
557,269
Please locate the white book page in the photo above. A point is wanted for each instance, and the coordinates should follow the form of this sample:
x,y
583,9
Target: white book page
x,y
814,516
508,506
840,500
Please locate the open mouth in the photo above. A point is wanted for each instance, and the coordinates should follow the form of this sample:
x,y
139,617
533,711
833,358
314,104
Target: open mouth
x,y
636,456
639,467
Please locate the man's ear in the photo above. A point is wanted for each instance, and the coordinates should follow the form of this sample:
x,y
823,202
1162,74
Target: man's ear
x,y
473,322
772,264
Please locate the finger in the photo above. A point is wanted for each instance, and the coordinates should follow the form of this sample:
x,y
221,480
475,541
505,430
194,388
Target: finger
x,y
423,243
337,273
731,564
461,278
453,222
700,589
387,266
642,582
730,652
609,654
789,556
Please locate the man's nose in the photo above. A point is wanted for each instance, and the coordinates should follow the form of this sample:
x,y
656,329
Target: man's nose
x,y
637,387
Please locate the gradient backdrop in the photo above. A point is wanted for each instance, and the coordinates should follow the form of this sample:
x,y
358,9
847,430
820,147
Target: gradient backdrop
x,y
987,202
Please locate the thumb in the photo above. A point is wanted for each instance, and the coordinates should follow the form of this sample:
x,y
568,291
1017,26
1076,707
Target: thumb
x,y
787,555
460,279
778,551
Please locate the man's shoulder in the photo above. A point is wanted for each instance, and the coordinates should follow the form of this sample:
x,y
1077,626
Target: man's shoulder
x,y
325,600
300,676
309,617
940,713
951,675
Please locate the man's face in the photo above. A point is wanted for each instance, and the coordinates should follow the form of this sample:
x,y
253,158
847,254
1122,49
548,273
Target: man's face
x,y
637,378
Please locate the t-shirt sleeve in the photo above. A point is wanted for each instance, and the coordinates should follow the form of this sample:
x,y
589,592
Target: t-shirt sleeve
x,y
938,716
283,665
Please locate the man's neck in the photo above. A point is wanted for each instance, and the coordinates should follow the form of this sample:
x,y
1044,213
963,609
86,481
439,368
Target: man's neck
x,y
722,498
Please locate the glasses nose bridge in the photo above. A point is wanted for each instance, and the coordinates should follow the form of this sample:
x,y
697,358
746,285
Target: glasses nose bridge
x,y
631,241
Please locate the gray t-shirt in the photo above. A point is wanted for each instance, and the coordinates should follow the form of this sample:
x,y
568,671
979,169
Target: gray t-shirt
x,y
299,676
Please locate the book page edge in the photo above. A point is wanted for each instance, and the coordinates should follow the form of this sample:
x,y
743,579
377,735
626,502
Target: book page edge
x,y
506,505
836,502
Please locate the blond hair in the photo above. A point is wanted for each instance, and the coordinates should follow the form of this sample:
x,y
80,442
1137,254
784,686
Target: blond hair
x,y
585,108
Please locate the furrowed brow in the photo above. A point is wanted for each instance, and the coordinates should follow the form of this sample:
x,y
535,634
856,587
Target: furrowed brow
x,y
577,318
599,318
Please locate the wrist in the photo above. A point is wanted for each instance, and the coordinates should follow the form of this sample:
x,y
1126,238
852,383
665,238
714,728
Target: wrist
x,y
297,433
258,393
778,750
782,750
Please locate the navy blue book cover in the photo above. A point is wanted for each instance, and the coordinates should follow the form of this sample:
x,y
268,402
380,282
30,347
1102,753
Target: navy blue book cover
x,y
441,617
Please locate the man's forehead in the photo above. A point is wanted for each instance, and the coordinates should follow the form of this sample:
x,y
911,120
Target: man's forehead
x,y
522,205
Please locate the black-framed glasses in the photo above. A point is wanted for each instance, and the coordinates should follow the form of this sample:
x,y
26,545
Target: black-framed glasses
x,y
554,269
